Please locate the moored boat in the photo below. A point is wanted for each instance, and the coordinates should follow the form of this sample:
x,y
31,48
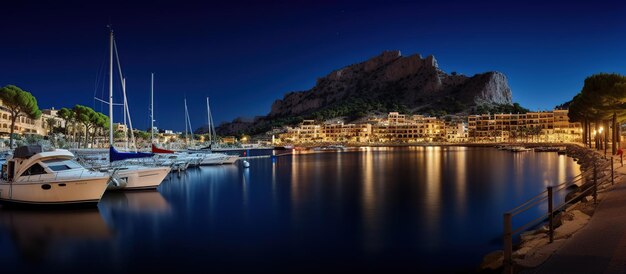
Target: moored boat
x,y
519,149
36,177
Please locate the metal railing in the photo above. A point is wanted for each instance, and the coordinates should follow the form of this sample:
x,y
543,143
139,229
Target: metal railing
x,y
548,195
84,173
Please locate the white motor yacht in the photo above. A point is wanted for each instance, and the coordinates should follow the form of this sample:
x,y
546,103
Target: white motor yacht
x,y
35,177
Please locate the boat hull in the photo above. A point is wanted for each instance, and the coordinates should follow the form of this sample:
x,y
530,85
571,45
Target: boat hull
x,y
142,178
231,160
80,192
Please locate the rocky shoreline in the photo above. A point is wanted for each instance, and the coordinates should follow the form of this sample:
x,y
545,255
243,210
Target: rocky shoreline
x,y
534,246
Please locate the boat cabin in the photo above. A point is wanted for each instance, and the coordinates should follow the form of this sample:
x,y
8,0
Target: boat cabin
x,y
32,160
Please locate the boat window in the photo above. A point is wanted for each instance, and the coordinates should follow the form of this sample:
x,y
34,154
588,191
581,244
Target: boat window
x,y
59,164
59,167
35,169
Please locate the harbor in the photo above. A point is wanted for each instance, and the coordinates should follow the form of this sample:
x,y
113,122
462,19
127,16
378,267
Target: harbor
x,y
312,137
271,205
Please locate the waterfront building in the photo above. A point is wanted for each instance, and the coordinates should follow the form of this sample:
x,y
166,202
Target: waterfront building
x,y
48,116
23,125
542,126
340,132
119,127
397,128
229,140
456,132
307,132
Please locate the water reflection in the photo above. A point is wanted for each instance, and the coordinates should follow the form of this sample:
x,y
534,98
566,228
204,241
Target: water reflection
x,y
461,182
143,201
370,204
41,234
367,210
432,157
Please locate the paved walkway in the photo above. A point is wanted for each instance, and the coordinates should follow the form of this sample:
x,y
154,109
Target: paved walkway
x,y
600,246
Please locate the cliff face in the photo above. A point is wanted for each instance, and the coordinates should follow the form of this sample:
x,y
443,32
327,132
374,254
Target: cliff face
x,y
412,81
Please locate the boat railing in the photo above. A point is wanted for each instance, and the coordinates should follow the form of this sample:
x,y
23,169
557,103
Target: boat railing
x,y
587,188
84,173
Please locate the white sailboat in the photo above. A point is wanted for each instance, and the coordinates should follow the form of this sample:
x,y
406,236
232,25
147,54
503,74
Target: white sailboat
x,y
177,161
128,177
35,177
210,158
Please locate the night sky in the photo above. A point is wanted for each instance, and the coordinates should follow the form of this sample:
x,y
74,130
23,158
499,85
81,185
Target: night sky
x,y
244,55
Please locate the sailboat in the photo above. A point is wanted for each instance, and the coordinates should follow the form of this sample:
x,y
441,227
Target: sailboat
x,y
208,157
226,159
164,157
127,176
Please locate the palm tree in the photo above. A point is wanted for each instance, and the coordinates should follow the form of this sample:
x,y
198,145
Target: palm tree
x,y
51,123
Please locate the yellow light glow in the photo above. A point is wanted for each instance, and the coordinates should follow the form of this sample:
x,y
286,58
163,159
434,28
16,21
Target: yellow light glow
x,y
601,128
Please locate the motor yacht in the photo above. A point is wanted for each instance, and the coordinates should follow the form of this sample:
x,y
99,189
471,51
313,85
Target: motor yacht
x,y
36,177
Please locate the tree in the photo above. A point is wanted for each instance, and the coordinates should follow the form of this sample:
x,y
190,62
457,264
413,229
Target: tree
x,y
67,116
20,103
140,134
602,99
51,122
101,122
86,116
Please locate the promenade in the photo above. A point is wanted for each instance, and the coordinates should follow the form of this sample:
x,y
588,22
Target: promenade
x,y
600,246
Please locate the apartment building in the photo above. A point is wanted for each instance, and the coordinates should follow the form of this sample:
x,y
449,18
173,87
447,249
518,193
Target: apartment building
x,y
541,126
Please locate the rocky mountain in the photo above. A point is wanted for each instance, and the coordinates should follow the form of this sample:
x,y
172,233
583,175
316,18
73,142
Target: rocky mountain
x,y
386,82
413,81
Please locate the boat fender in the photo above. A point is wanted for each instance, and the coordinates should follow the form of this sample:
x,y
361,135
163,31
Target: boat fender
x,y
117,183
114,182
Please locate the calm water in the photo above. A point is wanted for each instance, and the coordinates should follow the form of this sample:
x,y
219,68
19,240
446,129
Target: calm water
x,y
380,209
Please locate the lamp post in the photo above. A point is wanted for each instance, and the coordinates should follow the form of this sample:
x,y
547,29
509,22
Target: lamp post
x,y
603,141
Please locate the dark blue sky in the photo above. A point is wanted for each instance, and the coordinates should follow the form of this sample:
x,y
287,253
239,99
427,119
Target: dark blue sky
x,y
244,55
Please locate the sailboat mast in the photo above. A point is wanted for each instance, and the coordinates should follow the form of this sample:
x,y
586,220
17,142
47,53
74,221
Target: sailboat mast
x,y
190,128
212,125
152,108
208,118
111,88
124,105
186,114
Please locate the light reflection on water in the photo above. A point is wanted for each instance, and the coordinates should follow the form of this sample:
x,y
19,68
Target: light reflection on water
x,y
374,209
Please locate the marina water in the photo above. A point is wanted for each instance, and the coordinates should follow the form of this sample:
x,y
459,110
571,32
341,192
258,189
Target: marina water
x,y
382,209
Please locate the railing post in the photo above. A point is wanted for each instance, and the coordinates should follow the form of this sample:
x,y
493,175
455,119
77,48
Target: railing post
x,y
612,174
508,244
595,183
550,214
